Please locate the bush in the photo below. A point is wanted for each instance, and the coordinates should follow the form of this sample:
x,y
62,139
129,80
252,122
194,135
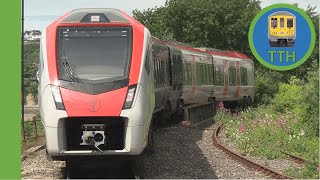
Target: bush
x,y
266,86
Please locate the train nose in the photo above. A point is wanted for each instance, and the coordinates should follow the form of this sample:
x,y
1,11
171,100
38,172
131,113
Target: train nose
x,y
78,104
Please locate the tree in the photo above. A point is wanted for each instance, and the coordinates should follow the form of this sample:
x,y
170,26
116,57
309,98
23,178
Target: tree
x,y
207,23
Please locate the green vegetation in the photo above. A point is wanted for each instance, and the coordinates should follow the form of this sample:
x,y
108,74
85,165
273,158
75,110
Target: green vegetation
x,y
31,59
290,122
30,129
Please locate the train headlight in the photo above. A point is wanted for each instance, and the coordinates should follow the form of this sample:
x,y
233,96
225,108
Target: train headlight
x,y
130,97
57,97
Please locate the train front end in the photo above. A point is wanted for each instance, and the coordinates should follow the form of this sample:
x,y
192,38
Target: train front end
x,y
96,91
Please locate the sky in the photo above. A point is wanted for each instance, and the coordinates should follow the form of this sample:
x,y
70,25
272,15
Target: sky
x,y
40,13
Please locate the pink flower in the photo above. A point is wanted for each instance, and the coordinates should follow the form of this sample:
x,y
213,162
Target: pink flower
x,y
221,105
242,128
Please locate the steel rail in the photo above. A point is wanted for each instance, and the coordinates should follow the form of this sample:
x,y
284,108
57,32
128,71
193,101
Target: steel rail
x,y
246,161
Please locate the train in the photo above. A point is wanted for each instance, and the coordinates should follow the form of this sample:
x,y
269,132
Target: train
x,y
281,29
103,76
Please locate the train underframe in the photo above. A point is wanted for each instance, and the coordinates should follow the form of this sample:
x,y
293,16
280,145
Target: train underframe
x,y
281,43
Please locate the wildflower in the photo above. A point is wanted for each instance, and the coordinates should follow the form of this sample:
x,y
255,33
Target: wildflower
x,y
221,105
301,133
242,128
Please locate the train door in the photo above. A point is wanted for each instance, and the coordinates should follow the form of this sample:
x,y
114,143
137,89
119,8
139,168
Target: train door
x,y
160,60
238,78
232,77
219,77
226,77
176,76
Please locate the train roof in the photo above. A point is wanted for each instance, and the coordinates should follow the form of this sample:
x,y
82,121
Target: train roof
x,y
211,51
97,15
281,13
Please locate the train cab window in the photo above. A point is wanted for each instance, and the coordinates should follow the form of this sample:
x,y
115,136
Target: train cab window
x,y
219,75
290,22
232,76
244,76
274,22
281,22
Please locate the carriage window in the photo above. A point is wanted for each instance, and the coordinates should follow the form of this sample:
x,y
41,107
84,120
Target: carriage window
x,y
244,76
198,74
232,76
290,22
219,75
210,74
188,79
274,22
281,22
147,62
155,67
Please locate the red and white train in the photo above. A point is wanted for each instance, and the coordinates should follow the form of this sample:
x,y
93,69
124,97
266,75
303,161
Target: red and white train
x,y
102,76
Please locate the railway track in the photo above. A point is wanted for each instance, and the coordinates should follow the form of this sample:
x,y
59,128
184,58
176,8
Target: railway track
x,y
100,170
294,158
246,161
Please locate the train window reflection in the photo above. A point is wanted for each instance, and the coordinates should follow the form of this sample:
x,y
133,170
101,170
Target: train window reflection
x,y
274,22
281,22
290,22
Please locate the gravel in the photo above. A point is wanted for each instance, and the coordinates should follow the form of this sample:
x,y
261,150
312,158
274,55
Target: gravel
x,y
180,153
36,166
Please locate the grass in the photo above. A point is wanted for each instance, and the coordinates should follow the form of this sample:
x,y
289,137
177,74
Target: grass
x,y
31,138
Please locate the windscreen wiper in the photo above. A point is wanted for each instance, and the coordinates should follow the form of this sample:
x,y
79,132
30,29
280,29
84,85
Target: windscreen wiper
x,y
69,70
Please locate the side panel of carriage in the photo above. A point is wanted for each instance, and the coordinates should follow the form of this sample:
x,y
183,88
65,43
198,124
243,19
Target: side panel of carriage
x,y
246,79
233,78
198,80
